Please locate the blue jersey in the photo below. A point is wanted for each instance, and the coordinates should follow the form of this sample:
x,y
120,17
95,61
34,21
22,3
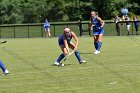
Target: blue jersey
x,y
62,37
96,24
46,25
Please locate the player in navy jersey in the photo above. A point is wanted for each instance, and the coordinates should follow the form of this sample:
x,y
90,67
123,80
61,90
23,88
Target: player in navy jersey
x,y
5,71
97,25
65,43
47,28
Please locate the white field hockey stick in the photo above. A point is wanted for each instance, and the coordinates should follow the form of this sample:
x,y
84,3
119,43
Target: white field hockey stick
x,y
67,56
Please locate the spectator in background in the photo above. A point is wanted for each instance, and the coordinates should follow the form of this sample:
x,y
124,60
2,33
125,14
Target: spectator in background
x,y
47,28
117,20
80,26
124,12
136,23
127,20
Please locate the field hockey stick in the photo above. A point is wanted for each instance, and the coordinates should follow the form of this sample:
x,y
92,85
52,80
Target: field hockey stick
x,y
67,56
3,42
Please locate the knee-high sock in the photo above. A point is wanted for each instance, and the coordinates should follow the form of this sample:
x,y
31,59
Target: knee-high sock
x,y
60,57
77,54
2,66
99,45
95,45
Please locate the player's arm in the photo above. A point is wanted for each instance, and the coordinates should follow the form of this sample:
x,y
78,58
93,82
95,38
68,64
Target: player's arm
x,y
76,39
103,23
66,45
90,24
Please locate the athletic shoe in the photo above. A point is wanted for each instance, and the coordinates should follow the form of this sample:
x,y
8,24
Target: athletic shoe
x,y
6,72
57,64
96,52
83,61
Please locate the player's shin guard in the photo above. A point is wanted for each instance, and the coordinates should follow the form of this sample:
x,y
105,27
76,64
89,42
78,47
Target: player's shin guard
x,y
60,58
95,45
77,54
2,66
99,45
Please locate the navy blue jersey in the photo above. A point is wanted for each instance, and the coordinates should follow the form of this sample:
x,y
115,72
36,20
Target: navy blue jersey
x,y
136,22
127,21
62,37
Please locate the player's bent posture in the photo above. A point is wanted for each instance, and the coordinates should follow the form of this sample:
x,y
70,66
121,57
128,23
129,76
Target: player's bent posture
x,y
98,30
5,71
65,43
47,28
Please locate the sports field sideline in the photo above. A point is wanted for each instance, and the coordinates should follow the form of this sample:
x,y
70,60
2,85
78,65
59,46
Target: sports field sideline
x,y
115,70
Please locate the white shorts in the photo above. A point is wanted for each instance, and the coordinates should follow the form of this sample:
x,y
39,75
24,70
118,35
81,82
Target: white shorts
x,y
128,27
47,29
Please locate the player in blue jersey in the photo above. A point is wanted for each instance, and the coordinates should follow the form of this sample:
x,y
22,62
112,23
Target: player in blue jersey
x,y
65,43
47,28
5,71
97,25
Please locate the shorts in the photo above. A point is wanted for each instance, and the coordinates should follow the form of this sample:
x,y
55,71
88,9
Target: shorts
x,y
128,27
98,32
47,29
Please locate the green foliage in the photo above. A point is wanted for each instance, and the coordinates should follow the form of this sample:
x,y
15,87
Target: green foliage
x,y
33,11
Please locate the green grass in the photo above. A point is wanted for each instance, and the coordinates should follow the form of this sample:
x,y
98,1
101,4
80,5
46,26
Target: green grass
x,y
115,70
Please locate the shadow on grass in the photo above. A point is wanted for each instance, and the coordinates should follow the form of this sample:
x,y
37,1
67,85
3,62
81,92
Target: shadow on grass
x,y
85,53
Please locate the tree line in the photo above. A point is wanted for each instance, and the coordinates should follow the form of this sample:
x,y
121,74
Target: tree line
x,y
33,11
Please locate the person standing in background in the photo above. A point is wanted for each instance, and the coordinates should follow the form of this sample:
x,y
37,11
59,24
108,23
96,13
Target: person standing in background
x,y
117,20
124,12
47,28
136,23
127,20
80,26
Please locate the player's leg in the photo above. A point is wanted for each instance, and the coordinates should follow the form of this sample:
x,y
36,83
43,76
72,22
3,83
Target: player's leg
x,y
100,36
46,32
49,34
95,41
99,42
5,71
77,54
58,61
128,29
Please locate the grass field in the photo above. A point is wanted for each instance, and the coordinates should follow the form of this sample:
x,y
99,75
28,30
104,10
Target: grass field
x,y
115,70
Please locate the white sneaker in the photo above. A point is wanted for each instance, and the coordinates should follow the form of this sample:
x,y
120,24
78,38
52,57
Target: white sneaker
x,y
56,63
6,72
83,61
96,52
